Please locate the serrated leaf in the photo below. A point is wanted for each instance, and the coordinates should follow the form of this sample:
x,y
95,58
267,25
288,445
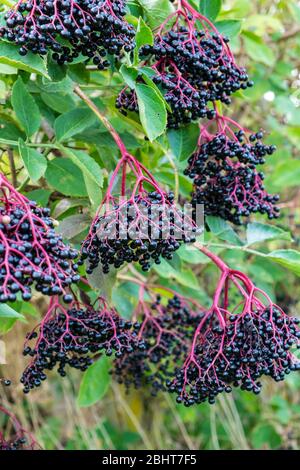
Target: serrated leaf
x,y
152,111
143,34
257,49
185,277
87,164
129,74
258,232
210,8
8,312
156,11
183,141
222,230
73,122
289,259
59,102
94,192
41,196
31,63
64,176
230,28
95,383
35,163
25,107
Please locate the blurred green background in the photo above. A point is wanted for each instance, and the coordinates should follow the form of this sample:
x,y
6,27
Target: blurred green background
x,y
269,46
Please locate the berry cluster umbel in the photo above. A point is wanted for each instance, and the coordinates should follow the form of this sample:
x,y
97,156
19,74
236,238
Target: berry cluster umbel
x,y
242,337
192,64
224,172
17,438
167,328
72,336
143,226
198,354
31,253
68,28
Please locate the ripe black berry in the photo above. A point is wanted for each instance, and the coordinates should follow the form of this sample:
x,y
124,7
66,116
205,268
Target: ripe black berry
x,y
93,28
12,434
236,342
143,227
226,180
31,253
69,336
167,328
193,66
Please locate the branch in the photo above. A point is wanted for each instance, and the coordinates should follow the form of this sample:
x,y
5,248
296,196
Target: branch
x,y
102,118
12,167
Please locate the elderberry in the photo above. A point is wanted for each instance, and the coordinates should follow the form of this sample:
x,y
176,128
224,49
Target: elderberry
x,y
166,333
70,338
238,354
32,253
226,180
95,29
186,102
143,230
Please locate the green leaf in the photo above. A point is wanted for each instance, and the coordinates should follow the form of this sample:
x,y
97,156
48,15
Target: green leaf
x,y
192,255
73,122
257,49
148,78
31,63
185,277
87,164
64,176
230,28
129,74
94,192
59,102
152,110
95,383
286,174
265,436
210,8
7,312
73,225
8,317
258,232
25,108
222,230
10,131
35,163
41,196
156,11
183,141
290,259
143,34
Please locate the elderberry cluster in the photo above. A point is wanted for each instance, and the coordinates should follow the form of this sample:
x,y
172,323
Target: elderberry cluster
x,y
192,68
93,28
69,338
32,254
166,334
18,443
186,102
142,230
226,180
202,58
250,346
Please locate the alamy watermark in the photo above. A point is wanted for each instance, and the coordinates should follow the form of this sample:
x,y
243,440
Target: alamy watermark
x,y
150,221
